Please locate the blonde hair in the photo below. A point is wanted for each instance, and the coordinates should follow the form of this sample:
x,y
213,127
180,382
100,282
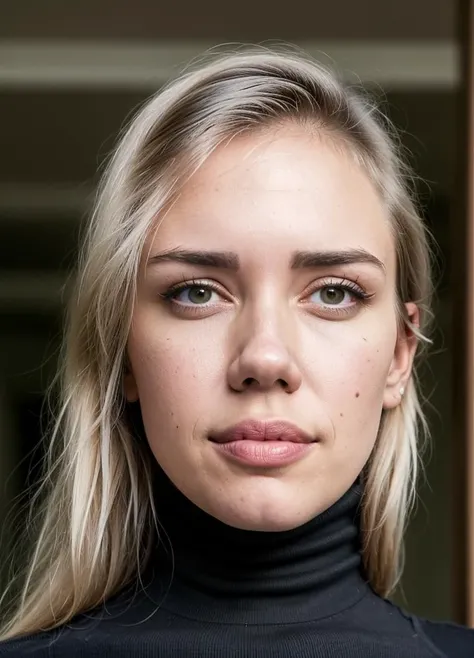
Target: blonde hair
x,y
97,510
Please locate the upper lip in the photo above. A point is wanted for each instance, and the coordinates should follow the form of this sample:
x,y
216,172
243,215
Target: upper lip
x,y
260,430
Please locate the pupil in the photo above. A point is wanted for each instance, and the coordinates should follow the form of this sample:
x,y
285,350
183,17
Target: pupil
x,y
332,295
199,295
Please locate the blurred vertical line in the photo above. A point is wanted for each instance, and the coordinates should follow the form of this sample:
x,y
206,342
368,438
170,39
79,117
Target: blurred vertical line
x,y
468,56
462,288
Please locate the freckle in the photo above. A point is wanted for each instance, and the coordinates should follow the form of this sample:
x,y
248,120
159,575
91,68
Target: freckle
x,y
341,415
357,394
177,427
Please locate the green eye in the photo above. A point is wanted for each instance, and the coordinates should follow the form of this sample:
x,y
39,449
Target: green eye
x,y
196,295
332,296
193,294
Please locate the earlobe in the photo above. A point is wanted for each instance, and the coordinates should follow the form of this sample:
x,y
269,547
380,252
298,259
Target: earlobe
x,y
393,396
403,357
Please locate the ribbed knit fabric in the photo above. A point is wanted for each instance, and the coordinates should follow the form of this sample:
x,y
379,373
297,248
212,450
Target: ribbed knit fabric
x,y
222,592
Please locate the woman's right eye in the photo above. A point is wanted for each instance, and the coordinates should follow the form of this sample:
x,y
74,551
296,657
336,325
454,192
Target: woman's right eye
x,y
196,294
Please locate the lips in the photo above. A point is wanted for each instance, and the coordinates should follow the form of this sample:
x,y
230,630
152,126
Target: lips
x,y
256,430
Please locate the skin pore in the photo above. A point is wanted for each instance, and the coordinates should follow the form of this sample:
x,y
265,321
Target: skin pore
x,y
268,293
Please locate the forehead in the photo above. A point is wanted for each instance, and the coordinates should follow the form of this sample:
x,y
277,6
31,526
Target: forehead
x,y
289,191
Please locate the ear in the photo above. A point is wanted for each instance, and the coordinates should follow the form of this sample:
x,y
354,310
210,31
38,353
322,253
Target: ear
x,y
130,387
403,356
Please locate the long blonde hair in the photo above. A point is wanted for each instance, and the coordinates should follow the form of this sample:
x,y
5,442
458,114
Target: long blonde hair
x,y
97,518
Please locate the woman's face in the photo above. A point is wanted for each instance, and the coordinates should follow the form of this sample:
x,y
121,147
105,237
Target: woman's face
x,y
265,341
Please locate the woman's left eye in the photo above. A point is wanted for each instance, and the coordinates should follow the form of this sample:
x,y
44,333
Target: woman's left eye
x,y
335,295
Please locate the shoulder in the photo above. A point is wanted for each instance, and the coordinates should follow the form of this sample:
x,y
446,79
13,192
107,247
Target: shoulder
x,y
41,645
451,640
74,640
61,643
108,630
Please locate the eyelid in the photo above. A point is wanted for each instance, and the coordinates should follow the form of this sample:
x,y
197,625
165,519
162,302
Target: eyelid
x,y
342,282
328,312
173,290
339,282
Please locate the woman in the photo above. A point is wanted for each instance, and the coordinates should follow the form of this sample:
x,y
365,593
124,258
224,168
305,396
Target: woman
x,y
236,452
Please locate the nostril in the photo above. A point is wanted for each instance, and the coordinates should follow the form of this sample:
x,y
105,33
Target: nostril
x,y
251,381
250,372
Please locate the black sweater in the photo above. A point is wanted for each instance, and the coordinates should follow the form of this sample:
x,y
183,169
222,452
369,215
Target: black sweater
x,y
224,592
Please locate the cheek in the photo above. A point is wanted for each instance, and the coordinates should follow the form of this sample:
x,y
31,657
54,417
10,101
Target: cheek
x,y
349,374
175,377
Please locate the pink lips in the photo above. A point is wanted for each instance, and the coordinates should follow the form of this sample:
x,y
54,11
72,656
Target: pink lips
x,y
267,444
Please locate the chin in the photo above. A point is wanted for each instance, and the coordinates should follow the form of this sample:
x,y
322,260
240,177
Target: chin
x,y
266,516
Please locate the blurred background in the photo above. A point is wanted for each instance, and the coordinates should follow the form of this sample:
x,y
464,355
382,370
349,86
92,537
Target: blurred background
x,y
72,72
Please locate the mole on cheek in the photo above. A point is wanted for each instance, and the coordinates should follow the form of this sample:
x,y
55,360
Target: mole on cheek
x,y
357,394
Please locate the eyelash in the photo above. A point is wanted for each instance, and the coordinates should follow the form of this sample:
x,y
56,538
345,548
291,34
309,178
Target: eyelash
x,y
342,284
173,291
347,285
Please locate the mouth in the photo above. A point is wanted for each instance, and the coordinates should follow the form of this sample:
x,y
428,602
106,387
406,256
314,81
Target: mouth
x,y
258,430
271,444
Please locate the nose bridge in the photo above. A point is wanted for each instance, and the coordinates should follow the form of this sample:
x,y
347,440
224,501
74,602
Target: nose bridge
x,y
268,333
265,355
267,325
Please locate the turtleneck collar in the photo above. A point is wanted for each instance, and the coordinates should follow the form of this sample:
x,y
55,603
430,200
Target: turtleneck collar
x,y
213,571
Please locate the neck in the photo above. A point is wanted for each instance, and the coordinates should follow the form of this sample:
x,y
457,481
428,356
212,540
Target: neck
x,y
313,570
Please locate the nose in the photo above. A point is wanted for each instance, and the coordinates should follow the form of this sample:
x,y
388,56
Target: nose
x,y
264,362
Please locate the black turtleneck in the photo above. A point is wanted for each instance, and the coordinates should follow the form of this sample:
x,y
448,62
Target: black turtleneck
x,y
259,577
213,591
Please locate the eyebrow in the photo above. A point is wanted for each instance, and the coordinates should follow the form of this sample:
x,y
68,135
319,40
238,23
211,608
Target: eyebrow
x,y
229,260
315,259
226,260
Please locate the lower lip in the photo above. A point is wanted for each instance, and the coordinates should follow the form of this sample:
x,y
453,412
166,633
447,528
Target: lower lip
x,y
264,453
